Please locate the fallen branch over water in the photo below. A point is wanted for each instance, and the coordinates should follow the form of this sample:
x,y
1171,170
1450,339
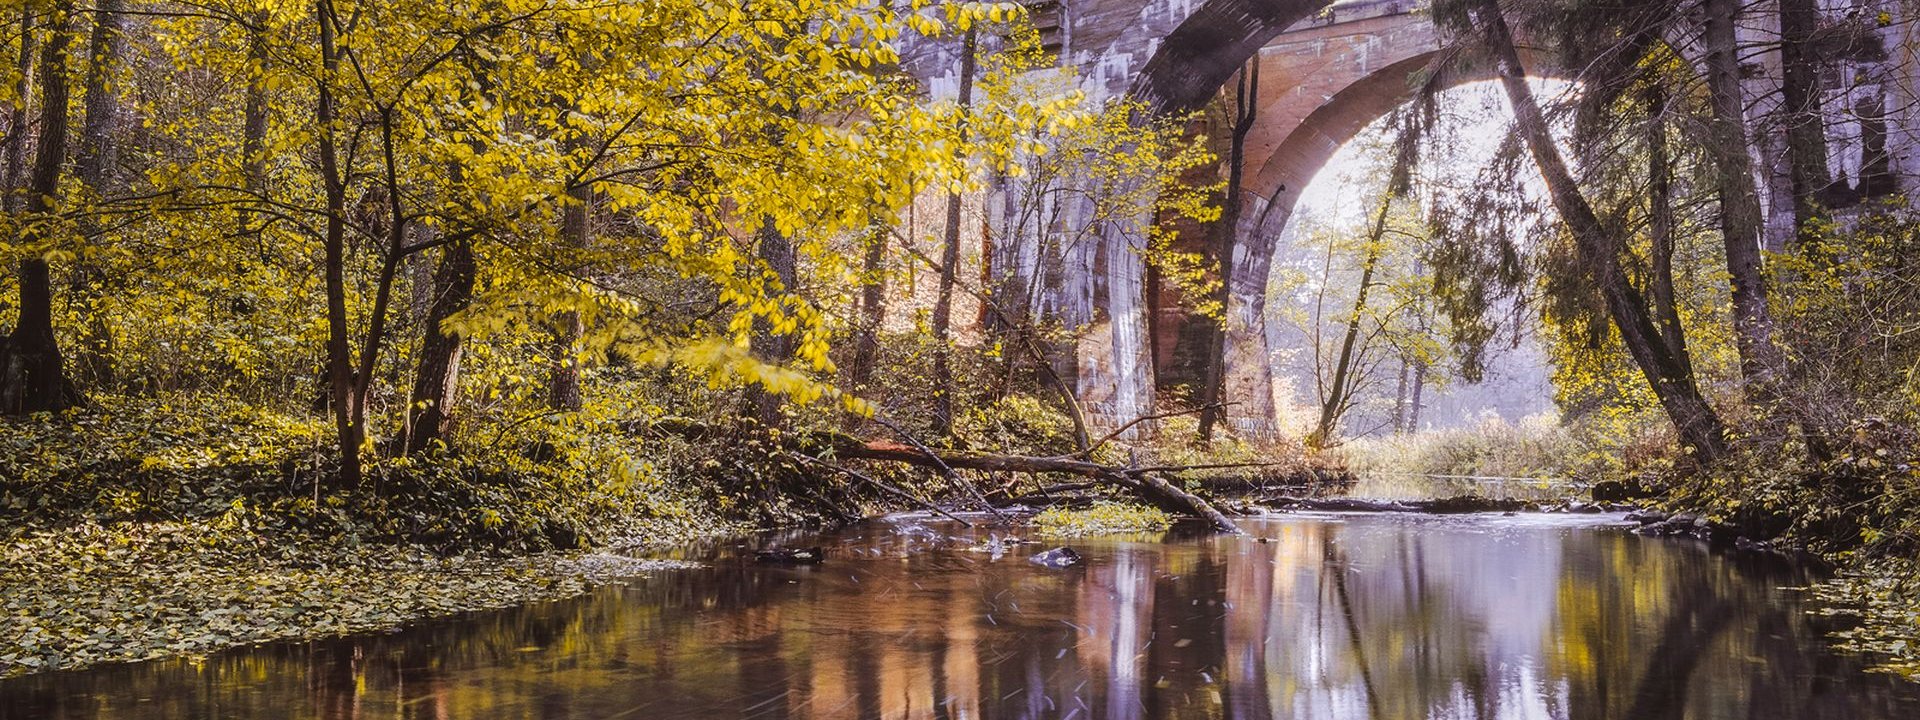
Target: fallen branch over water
x,y
883,487
1146,483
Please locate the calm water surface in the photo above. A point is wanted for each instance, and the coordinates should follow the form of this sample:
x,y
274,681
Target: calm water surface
x,y
1334,616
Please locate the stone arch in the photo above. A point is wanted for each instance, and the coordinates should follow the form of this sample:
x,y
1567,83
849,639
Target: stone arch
x,y
1361,70
1191,63
1174,55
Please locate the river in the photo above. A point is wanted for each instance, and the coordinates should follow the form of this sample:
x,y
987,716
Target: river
x,y
1308,616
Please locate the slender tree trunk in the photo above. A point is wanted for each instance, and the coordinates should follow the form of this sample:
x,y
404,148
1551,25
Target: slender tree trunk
x,y
98,154
776,250
1740,217
1400,398
943,388
1700,428
391,263
419,286
1800,93
873,309
1763,364
16,149
107,48
1419,391
349,433
1660,229
1246,108
253,145
32,372
436,379
1339,393
563,390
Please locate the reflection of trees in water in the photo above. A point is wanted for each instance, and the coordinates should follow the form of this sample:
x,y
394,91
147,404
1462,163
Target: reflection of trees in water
x,y
1679,633
1357,618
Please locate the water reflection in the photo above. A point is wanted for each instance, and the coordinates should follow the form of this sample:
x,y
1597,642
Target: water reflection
x,y
1330,617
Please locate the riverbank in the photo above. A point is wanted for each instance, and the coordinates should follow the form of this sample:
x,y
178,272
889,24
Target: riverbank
x,y
90,594
140,528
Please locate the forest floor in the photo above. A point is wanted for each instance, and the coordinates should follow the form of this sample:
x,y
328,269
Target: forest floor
x,y
89,594
139,528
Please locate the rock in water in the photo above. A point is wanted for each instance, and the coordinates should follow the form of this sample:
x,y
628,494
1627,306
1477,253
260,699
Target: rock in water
x,y
1647,517
792,556
1059,557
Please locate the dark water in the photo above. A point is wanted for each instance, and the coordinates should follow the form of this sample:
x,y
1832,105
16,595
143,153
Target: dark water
x,y
1352,616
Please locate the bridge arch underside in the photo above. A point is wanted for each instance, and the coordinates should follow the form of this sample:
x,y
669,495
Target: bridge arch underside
x,y
1312,105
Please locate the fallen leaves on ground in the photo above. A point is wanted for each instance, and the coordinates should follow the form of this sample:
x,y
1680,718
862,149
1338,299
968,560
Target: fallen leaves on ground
x,y
88,594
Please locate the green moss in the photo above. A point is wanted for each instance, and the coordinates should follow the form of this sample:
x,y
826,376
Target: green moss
x,y
1103,518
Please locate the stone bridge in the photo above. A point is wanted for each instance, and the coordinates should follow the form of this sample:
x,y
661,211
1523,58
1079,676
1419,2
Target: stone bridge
x,y
1327,70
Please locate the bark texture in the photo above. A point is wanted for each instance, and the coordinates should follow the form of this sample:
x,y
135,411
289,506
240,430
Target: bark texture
x,y
32,371
436,379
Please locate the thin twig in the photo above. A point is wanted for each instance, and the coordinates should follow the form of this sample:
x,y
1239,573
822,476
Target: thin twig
x,y
1209,466
1097,444
889,489
945,469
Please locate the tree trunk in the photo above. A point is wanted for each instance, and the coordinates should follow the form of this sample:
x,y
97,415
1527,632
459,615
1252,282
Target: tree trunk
x,y
563,389
1800,94
1145,483
107,48
1700,429
776,250
32,372
1246,109
436,379
349,428
1763,364
16,150
873,310
1419,390
253,145
98,154
943,384
1334,405
1740,217
1660,226
1400,398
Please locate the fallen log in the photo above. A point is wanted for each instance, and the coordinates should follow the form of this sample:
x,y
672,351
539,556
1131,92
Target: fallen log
x,y
1145,483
